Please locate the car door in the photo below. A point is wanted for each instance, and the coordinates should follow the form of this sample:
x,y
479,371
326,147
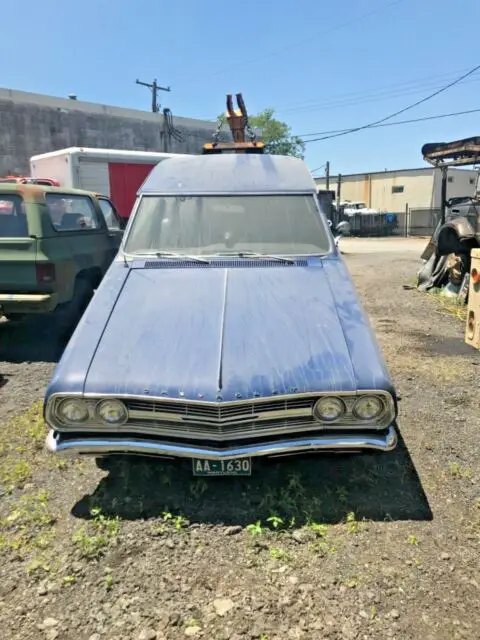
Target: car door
x,y
115,223
78,218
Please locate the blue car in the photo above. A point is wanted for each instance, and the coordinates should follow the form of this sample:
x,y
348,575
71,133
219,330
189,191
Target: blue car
x,y
227,328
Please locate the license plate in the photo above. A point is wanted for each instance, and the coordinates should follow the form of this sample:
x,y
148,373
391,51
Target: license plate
x,y
236,467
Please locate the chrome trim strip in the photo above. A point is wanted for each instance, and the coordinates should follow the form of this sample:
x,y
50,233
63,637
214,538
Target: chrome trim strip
x,y
216,403
106,446
203,432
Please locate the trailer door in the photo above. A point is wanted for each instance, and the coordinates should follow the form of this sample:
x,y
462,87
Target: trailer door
x,y
125,180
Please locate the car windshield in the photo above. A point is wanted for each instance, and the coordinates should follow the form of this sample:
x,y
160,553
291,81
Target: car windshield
x,y
208,225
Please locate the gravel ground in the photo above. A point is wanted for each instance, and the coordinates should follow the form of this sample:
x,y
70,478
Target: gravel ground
x,y
367,547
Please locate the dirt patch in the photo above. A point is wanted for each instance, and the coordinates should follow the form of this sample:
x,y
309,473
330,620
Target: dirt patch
x,y
376,546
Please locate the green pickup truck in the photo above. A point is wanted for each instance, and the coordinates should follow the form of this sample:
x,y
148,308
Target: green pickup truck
x,y
55,247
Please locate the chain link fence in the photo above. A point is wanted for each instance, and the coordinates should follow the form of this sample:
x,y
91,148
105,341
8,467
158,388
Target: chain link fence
x,y
411,222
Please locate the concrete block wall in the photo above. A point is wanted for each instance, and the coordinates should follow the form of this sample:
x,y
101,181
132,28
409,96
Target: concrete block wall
x,y
32,123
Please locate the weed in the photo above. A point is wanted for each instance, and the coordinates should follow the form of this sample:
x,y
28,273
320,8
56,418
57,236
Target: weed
x,y
38,567
275,521
108,582
322,547
94,537
179,522
320,530
255,529
412,540
67,580
279,554
16,475
459,472
353,526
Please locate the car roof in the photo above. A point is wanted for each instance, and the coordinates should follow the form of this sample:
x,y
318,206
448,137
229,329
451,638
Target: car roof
x,y
36,191
229,174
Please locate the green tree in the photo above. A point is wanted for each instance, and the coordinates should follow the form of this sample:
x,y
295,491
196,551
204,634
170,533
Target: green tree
x,y
275,134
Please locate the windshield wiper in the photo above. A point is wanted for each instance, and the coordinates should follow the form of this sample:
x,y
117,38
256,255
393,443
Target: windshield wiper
x,y
253,254
171,254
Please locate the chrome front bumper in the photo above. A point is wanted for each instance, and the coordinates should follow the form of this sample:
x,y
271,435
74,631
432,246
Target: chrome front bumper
x,y
96,446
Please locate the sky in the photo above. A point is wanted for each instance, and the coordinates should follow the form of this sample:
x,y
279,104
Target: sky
x,y
322,66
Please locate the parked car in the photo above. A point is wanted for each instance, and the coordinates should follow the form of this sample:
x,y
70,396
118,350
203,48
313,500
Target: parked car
x,y
55,246
226,328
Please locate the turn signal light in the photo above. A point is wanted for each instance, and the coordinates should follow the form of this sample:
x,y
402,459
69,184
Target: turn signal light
x,y
45,272
475,275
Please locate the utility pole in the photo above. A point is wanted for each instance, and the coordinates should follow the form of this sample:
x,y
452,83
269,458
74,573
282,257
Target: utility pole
x,y
154,88
339,188
327,175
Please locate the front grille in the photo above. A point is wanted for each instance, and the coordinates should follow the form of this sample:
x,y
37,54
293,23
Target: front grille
x,y
241,419
213,412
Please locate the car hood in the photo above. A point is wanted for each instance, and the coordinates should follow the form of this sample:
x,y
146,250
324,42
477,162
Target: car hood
x,y
222,334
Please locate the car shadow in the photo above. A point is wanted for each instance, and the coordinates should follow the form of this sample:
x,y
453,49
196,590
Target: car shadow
x,y
33,339
318,488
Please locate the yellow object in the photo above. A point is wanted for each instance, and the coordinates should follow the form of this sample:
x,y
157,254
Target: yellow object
x,y
472,328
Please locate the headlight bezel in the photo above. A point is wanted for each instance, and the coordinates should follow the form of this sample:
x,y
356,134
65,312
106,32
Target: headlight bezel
x,y
103,401
91,405
66,421
369,396
349,419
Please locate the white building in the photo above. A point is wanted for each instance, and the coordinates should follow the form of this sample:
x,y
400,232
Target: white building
x,y
396,190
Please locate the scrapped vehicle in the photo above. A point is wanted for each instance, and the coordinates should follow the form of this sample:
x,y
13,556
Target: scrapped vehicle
x,y
458,233
55,246
227,328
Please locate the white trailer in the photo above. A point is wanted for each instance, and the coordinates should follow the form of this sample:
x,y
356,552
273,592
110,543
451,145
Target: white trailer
x,y
114,173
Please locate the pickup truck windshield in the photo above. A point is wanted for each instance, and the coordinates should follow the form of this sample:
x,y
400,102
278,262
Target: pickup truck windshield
x,y
206,225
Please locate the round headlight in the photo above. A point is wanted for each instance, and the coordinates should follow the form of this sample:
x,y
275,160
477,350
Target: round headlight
x,y
329,409
73,410
112,411
367,408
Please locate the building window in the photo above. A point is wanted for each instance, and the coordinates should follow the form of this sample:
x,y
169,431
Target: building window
x,y
398,189
450,179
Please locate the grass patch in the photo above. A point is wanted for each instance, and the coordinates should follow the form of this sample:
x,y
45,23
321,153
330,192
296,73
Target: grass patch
x,y
21,438
449,306
28,526
94,538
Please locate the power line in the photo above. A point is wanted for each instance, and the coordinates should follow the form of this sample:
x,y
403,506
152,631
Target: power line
x,y
397,113
299,43
376,97
318,168
353,95
390,124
